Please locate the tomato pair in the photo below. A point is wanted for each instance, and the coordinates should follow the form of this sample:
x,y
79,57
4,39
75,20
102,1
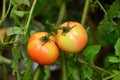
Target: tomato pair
x,y
70,37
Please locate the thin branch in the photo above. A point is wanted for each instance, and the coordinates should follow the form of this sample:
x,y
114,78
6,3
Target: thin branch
x,y
85,11
95,67
61,13
102,7
30,16
3,11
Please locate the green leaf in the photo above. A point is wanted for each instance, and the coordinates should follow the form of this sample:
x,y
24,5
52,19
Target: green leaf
x,y
26,2
114,59
91,51
114,10
20,2
110,63
47,73
117,47
118,15
106,25
106,32
42,73
73,73
28,72
19,13
72,68
117,73
14,30
87,72
15,61
39,73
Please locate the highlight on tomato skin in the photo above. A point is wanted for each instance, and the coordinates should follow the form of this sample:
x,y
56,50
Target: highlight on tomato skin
x,y
44,53
73,38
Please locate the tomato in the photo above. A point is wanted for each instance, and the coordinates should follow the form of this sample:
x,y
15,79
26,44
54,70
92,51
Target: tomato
x,y
42,49
72,37
3,33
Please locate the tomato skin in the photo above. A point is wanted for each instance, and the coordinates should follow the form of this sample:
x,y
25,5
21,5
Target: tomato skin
x,y
3,33
74,40
42,53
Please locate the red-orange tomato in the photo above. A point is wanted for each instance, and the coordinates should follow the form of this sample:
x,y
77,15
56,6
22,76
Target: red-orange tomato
x,y
74,40
42,52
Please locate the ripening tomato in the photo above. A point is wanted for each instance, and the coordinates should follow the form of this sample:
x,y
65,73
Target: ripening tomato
x,y
72,37
3,33
42,49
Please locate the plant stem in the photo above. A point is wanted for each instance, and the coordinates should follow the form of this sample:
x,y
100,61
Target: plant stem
x,y
95,67
119,64
4,60
61,13
4,8
8,9
63,61
109,77
29,17
4,72
104,11
16,57
3,11
101,7
89,78
85,11
101,69
18,75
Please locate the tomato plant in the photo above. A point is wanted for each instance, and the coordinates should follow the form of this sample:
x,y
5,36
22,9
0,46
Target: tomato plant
x,y
42,48
72,38
97,58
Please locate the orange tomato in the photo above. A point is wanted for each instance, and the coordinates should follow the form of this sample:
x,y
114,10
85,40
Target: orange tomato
x,y
72,37
42,49
3,33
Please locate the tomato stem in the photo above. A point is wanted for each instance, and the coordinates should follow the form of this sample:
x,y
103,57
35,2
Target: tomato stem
x,y
110,77
104,10
63,61
60,18
5,73
49,24
67,28
3,11
61,13
44,39
30,16
101,7
85,11
4,60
